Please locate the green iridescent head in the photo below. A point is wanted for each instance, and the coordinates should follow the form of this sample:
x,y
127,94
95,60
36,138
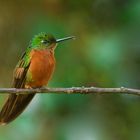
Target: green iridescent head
x,y
44,40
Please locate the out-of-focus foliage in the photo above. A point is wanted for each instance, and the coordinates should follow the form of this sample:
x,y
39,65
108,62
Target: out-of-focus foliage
x,y
105,53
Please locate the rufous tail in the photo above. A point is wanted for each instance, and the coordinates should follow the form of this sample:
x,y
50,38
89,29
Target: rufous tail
x,y
13,107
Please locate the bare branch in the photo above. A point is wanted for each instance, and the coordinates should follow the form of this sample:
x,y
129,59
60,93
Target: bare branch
x,y
72,90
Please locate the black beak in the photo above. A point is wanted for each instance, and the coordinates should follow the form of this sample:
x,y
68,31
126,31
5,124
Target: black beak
x,y
66,38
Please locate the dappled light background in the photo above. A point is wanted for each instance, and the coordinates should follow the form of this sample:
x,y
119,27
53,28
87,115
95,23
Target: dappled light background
x,y
105,54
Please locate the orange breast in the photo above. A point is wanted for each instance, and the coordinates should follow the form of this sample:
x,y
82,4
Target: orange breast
x,y
41,68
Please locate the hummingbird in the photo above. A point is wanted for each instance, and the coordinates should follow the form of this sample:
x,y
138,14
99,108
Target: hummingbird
x,y
33,70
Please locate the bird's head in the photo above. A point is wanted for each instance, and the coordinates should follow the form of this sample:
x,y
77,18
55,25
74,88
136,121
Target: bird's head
x,y
44,41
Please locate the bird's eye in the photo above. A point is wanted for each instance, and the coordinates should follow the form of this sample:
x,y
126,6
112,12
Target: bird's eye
x,y
44,41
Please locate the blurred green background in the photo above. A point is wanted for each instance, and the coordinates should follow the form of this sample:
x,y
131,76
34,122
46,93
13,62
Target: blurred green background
x,y
105,54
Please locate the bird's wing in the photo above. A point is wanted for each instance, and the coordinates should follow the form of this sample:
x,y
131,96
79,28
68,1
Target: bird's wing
x,y
21,71
15,104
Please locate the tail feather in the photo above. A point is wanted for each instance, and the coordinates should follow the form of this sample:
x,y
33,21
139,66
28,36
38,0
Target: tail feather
x,y
14,106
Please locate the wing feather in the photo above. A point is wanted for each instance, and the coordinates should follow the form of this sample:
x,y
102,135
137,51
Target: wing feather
x,y
15,104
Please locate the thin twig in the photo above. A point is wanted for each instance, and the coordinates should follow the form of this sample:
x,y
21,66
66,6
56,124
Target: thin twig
x,y
72,90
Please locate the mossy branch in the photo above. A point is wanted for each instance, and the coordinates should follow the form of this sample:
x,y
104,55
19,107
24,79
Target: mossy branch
x,y
72,90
